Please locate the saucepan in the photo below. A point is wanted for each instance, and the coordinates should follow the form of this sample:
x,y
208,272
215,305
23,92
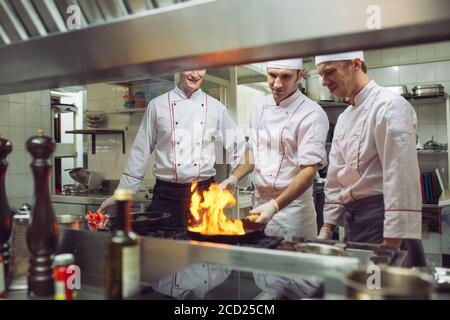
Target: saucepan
x,y
384,282
71,221
253,231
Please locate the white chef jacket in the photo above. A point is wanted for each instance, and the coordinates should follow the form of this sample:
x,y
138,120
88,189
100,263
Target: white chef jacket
x,y
285,137
182,131
374,153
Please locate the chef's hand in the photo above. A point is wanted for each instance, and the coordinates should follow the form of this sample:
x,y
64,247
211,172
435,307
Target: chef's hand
x,y
265,211
108,205
326,232
229,183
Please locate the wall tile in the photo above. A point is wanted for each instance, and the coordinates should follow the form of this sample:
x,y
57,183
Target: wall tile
x,y
425,52
390,75
441,135
426,131
16,114
18,202
17,97
16,161
45,117
33,115
375,74
4,132
446,85
45,98
407,74
372,57
33,97
427,114
17,137
30,185
100,91
442,70
389,56
4,98
4,113
441,116
443,50
407,54
17,185
426,72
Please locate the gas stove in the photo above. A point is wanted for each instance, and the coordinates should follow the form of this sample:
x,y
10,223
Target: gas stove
x,y
180,233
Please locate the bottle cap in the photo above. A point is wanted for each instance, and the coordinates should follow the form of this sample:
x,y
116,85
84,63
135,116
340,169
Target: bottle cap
x,y
63,259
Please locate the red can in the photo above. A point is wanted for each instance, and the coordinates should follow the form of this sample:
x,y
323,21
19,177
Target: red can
x,y
61,275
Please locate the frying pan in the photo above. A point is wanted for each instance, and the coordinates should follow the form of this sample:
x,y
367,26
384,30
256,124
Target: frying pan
x,y
142,220
253,231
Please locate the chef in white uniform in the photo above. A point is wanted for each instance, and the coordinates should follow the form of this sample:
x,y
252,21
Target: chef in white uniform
x,y
181,127
373,174
287,148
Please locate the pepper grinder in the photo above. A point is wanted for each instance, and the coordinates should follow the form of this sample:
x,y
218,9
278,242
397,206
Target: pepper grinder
x,y
5,212
42,232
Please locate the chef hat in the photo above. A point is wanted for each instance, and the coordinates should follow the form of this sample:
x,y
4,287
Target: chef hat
x,y
340,56
295,64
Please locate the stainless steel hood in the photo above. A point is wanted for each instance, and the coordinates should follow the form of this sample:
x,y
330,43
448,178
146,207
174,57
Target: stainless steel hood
x,y
213,33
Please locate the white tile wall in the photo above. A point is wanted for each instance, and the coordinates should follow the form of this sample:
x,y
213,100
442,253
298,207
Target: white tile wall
x,y
20,116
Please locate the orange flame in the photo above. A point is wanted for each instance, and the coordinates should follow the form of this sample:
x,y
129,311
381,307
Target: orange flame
x,y
207,217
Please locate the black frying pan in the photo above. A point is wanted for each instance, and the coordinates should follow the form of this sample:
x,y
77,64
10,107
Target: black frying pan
x,y
253,231
143,220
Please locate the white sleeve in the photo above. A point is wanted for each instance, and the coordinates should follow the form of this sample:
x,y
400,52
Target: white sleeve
x,y
334,208
311,140
143,146
395,136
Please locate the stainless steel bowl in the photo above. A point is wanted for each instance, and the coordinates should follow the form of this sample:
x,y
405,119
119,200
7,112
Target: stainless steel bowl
x,y
71,221
428,90
383,282
319,248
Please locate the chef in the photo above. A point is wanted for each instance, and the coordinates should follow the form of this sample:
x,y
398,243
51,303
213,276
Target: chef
x,y
181,127
288,147
373,174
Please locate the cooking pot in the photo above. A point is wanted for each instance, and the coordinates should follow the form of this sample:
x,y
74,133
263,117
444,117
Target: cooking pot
x,y
253,231
428,90
71,221
314,88
394,284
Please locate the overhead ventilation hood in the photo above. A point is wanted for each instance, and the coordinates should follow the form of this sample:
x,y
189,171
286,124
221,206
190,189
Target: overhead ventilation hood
x,y
115,44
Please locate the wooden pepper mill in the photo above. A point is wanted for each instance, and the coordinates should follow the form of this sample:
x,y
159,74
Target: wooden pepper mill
x,y
5,212
42,233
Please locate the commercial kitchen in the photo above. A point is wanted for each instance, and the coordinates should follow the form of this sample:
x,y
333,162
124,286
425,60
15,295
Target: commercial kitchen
x,y
77,78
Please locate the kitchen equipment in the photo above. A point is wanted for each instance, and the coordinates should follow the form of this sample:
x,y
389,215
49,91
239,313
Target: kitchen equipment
x,y
428,90
19,250
319,248
401,90
71,221
383,282
95,119
314,88
90,179
253,231
142,220
74,189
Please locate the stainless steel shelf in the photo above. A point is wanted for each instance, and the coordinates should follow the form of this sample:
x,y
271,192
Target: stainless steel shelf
x,y
416,100
432,151
126,111
95,132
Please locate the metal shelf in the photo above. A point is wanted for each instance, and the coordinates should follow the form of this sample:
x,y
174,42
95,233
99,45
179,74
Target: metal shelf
x,y
332,104
126,111
95,132
63,108
426,100
432,151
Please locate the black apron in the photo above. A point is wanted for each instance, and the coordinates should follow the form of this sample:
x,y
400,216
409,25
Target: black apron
x,y
364,222
175,198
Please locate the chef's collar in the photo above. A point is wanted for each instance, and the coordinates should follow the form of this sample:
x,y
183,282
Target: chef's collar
x,y
196,94
364,93
287,101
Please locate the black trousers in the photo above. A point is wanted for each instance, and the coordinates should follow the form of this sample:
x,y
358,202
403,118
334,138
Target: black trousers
x,y
175,198
364,222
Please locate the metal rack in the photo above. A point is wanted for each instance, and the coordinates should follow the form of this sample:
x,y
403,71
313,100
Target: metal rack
x,y
95,132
